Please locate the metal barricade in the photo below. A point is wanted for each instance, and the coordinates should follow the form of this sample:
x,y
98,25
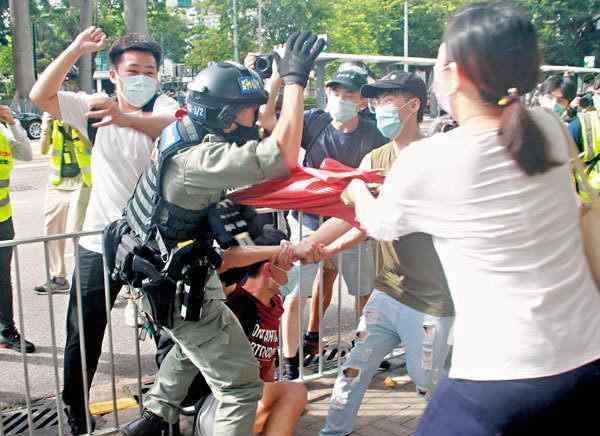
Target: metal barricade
x,y
137,372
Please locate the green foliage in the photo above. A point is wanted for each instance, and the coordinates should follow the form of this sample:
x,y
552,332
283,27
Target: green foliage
x,y
567,28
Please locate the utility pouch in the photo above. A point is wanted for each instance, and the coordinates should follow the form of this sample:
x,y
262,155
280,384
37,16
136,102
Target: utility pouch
x,y
160,294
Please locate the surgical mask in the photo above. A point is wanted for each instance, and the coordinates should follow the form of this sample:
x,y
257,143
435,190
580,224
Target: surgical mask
x,y
442,97
550,103
596,99
279,285
388,119
341,110
138,90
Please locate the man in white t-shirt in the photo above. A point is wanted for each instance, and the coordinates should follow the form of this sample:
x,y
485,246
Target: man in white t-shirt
x,y
126,129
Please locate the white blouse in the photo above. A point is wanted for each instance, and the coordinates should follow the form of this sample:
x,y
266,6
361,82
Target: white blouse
x,y
510,244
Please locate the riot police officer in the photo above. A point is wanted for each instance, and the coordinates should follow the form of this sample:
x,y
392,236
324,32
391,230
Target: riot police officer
x,y
199,156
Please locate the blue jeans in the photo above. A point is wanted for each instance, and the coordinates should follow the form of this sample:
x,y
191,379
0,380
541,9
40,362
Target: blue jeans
x,y
563,404
384,324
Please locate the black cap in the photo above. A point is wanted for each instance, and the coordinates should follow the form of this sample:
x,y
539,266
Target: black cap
x,y
400,80
351,78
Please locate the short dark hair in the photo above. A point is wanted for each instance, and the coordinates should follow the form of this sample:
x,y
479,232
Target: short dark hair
x,y
134,42
567,86
268,236
487,41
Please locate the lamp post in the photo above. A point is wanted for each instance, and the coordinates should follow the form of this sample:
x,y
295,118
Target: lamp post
x,y
405,32
236,48
35,74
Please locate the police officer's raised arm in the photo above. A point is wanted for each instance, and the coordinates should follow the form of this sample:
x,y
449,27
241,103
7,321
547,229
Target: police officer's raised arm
x,y
294,67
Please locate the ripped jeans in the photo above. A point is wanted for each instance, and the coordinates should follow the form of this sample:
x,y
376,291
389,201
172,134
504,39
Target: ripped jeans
x,y
384,324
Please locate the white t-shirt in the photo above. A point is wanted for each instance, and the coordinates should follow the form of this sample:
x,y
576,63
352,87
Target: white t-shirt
x,y
119,156
526,303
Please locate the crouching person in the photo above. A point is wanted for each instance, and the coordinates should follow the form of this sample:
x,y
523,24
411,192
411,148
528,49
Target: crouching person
x,y
257,305
199,157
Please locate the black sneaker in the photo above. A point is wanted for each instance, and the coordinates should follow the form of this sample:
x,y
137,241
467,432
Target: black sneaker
x,y
11,340
148,424
57,285
77,422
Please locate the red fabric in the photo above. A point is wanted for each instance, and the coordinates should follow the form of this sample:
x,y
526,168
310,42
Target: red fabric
x,y
311,190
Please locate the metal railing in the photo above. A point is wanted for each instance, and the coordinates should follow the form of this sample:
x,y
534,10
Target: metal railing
x,y
75,238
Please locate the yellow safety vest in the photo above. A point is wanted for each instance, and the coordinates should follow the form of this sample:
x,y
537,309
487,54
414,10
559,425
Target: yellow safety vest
x,y
590,130
6,165
83,152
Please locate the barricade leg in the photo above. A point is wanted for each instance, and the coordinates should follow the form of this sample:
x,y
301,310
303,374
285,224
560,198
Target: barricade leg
x,y
53,340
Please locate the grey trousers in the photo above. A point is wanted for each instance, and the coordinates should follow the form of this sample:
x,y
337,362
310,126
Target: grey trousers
x,y
6,297
217,346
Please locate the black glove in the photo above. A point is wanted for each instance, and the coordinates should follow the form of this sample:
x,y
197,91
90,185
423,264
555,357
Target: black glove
x,y
301,50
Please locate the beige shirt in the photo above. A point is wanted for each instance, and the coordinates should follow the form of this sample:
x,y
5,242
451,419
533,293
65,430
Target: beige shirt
x,y
409,269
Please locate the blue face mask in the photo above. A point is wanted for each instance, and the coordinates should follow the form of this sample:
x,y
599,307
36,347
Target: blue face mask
x,y
389,122
341,110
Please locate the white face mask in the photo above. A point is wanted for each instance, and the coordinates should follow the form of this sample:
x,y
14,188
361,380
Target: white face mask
x,y
341,110
138,90
442,96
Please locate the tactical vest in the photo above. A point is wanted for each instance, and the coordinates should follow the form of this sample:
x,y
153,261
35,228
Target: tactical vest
x,y
148,214
71,154
6,165
590,130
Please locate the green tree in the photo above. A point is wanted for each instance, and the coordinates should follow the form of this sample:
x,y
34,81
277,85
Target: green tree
x,y
567,29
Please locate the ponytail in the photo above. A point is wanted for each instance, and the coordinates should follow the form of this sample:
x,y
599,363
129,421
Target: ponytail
x,y
523,139
488,40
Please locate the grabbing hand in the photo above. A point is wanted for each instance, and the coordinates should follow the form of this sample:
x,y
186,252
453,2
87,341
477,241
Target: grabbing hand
x,y
300,53
6,115
107,110
286,256
90,40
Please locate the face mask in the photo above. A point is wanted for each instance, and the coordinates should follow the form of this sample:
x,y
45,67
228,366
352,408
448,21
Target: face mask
x,y
242,134
389,122
442,97
388,119
138,90
550,103
279,285
341,110
596,99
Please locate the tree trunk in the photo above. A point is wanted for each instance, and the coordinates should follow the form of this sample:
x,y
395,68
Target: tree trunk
x,y
22,52
136,16
85,62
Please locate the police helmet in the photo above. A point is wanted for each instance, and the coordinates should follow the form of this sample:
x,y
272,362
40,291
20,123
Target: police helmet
x,y
220,91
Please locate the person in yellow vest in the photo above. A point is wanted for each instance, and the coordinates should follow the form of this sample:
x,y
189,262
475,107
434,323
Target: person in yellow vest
x,y
67,194
585,130
14,144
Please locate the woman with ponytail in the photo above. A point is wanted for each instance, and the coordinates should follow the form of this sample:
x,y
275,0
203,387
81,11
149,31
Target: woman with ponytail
x,y
496,195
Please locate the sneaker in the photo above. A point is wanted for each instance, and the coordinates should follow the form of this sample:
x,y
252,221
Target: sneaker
x,y
77,422
57,285
11,340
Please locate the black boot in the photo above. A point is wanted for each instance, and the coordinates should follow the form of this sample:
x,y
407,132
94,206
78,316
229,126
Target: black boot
x,y
290,368
148,425
77,423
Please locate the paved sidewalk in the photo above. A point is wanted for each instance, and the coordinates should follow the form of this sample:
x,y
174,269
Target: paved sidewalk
x,y
385,411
